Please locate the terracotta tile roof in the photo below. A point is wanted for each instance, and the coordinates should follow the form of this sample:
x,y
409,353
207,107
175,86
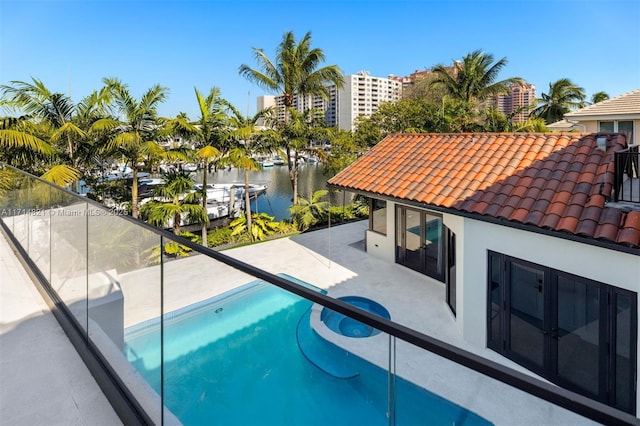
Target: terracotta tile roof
x,y
625,104
558,181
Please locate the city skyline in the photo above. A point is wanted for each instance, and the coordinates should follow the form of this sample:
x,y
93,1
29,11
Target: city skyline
x,y
72,45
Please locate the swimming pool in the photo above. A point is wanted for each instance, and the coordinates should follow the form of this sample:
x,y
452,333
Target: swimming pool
x,y
235,360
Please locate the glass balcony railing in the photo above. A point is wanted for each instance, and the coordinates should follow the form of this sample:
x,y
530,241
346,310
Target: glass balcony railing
x,y
193,336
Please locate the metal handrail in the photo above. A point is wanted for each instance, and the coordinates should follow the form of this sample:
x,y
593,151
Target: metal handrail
x,y
569,400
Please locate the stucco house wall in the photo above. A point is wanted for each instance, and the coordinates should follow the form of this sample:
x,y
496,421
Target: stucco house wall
x,y
600,264
592,126
475,238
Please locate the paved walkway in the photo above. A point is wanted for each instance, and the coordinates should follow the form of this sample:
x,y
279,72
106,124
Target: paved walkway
x,y
43,381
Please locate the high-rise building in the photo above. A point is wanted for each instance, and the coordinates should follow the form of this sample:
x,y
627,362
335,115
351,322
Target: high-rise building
x,y
360,95
520,95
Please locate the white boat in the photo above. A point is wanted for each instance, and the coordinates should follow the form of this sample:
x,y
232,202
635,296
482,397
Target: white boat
x,y
221,192
166,168
190,167
147,186
266,163
278,161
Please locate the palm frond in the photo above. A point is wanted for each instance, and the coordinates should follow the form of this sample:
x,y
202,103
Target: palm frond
x,y
61,175
10,138
68,129
208,152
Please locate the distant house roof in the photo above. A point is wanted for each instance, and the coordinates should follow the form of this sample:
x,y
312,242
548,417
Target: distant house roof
x,y
562,125
626,105
557,181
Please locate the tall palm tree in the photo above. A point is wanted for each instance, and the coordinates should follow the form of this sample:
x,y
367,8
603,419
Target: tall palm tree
x,y
244,131
599,97
563,97
294,71
295,137
206,134
133,135
474,79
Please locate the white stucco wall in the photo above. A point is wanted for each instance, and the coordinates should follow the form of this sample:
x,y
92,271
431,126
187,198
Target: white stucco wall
x,y
473,240
592,126
383,246
607,266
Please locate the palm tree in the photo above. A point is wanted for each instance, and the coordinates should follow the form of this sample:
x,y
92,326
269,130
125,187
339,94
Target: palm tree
x,y
295,136
599,97
206,134
310,211
209,133
54,117
22,140
134,134
563,97
473,79
294,71
243,130
177,202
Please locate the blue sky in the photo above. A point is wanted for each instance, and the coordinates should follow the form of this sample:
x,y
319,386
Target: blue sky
x,y
72,45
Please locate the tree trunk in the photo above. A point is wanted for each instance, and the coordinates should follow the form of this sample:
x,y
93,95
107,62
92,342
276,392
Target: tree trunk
x,y
134,191
294,179
247,203
177,217
75,185
204,202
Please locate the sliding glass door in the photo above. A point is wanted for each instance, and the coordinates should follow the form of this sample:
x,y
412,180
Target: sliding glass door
x,y
420,241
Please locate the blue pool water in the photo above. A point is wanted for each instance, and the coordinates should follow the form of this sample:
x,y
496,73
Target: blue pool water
x,y
237,360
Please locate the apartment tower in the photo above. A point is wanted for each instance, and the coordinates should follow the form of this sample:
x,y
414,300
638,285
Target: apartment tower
x,y
519,96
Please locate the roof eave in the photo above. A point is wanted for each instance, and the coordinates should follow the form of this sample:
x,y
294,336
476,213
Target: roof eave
x,y
616,116
498,221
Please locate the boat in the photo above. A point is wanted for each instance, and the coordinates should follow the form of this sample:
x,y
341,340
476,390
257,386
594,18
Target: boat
x,y
278,161
264,161
166,168
147,186
221,192
190,167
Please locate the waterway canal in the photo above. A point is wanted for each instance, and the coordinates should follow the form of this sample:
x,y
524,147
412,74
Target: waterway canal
x,y
279,195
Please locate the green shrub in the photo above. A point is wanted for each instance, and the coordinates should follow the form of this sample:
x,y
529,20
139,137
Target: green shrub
x,y
220,236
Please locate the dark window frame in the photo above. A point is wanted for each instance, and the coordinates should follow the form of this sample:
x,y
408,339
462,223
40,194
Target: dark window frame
x,y
450,262
372,208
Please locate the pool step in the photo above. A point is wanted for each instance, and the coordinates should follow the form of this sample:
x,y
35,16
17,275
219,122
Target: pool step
x,y
326,356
